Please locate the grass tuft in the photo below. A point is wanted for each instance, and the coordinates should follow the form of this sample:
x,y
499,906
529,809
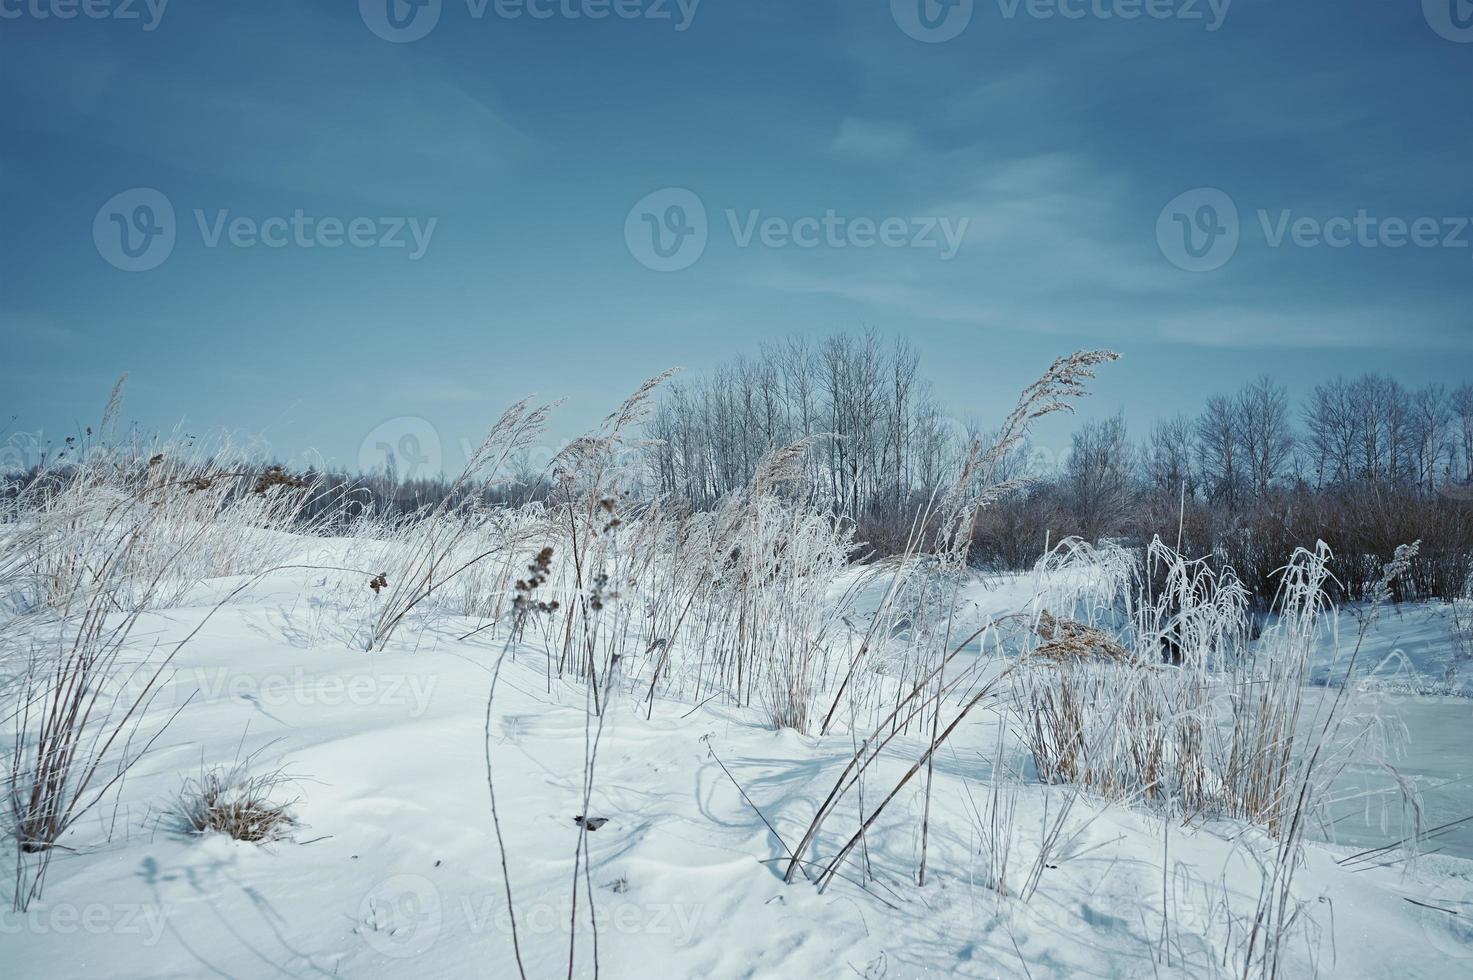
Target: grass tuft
x,y
230,800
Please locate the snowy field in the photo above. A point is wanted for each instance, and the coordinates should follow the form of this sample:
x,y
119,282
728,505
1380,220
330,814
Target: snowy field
x,y
594,735
393,869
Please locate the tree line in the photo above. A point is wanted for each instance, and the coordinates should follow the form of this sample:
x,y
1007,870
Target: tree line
x,y
1362,463
1365,463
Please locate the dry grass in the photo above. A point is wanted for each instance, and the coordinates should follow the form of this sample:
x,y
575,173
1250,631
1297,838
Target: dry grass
x,y
230,800
1069,639
88,544
1228,732
636,597
429,552
80,704
1460,629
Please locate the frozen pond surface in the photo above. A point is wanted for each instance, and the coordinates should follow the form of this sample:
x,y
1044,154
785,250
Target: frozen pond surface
x,y
1439,757
1410,648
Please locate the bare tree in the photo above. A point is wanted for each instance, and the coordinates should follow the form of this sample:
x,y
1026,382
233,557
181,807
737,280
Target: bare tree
x,y
1168,457
1332,423
1265,436
1097,476
1431,437
1217,449
1462,407
883,441
1383,412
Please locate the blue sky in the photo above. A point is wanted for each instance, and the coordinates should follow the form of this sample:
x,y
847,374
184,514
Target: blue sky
x,y
1073,150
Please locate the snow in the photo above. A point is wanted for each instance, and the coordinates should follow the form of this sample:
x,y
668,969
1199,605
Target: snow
x,y
394,870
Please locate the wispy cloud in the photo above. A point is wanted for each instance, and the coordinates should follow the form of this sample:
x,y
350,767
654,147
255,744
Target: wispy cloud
x,y
440,389
1356,328
36,328
874,139
312,120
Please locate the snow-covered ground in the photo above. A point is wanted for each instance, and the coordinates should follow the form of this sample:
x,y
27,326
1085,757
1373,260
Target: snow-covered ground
x,y
394,870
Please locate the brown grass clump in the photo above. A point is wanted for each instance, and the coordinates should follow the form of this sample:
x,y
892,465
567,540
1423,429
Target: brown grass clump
x,y
1069,639
277,476
230,801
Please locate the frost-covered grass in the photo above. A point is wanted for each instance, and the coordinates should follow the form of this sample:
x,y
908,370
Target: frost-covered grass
x,y
597,732
396,867
234,801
